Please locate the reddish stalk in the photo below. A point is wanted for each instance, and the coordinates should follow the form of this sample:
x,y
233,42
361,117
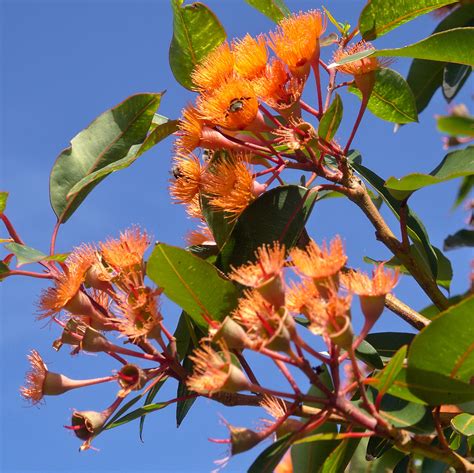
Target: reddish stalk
x,y
246,367
315,67
269,115
31,274
309,109
11,229
286,373
53,237
363,106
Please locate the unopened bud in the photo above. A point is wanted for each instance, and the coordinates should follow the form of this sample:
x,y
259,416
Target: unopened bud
x,y
372,307
231,333
343,335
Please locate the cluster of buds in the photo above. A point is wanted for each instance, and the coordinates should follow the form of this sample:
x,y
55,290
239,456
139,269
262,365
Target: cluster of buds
x,y
240,85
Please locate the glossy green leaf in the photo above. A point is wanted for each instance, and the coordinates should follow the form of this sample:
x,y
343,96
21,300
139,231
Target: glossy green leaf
x,y
196,32
464,424
432,311
379,17
454,77
444,269
157,133
388,343
455,125
108,139
148,400
25,254
384,464
276,10
455,164
415,227
462,238
391,98
368,354
425,77
279,214
331,119
454,45
192,283
122,410
387,376
441,357
267,461
3,270
406,415
340,456
376,447
310,455
220,226
183,406
3,201
140,412
467,184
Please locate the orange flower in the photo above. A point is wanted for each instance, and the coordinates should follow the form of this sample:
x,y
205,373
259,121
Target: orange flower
x,y
194,209
269,263
276,87
360,66
201,236
216,67
325,315
296,40
382,282
251,56
33,391
139,313
189,131
188,173
320,263
66,293
299,296
265,326
296,135
214,372
125,254
230,186
232,106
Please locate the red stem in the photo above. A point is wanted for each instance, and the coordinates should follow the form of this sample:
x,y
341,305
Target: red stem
x,y
32,274
363,106
11,229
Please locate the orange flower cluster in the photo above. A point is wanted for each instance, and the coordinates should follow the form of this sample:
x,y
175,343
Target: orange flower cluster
x,y
264,317
104,287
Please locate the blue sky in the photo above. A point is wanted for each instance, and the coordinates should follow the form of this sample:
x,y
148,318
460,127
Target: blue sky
x,y
62,64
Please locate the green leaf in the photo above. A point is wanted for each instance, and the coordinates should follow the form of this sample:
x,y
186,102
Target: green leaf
x,y
415,227
441,357
388,343
331,120
368,354
455,125
387,376
455,164
384,464
406,415
462,238
148,400
464,189
158,133
444,269
122,410
454,45
3,269
220,226
376,447
391,98
24,254
140,412
431,311
196,32
183,406
108,139
425,77
464,424
309,457
276,10
279,214
454,77
379,17
340,456
267,461
192,283
3,201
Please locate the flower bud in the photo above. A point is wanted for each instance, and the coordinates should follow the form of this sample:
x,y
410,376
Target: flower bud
x,y
343,336
372,307
231,333
242,439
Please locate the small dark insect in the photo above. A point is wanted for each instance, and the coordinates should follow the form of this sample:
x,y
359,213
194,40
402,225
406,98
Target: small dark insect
x,y
176,172
236,105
